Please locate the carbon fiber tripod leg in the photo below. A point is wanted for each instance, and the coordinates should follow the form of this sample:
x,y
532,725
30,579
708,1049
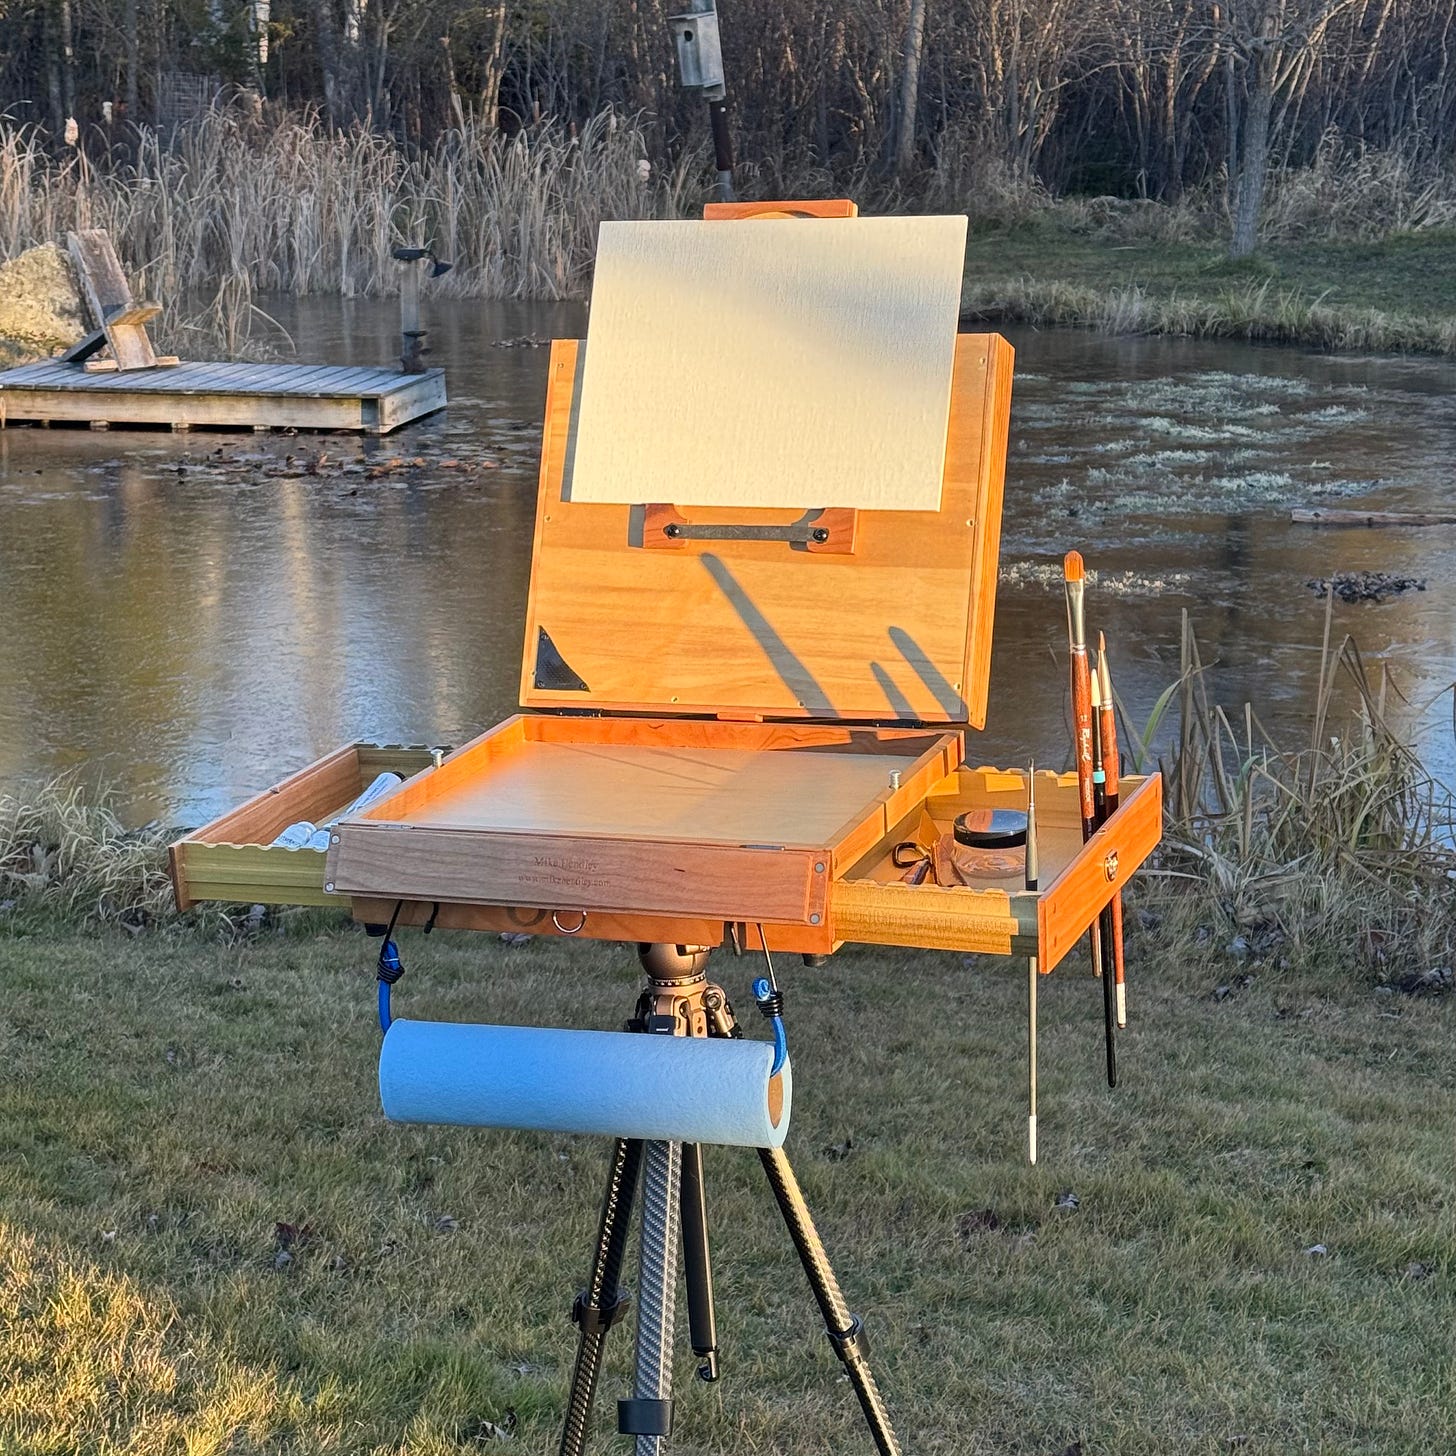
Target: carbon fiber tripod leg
x,y
846,1331
648,1415
601,1304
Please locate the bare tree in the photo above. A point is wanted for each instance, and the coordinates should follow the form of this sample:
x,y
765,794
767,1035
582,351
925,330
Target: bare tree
x,y
910,85
1134,97
1269,47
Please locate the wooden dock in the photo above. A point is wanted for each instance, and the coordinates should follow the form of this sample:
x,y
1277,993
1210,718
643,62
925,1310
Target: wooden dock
x,y
220,396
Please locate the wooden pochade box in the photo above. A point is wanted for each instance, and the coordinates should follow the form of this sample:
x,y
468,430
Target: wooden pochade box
x,y
727,728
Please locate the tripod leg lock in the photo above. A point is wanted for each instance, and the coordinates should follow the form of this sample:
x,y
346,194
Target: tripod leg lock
x,y
598,1319
644,1417
851,1345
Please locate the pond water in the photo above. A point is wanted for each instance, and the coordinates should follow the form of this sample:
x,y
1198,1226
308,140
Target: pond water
x,y
187,618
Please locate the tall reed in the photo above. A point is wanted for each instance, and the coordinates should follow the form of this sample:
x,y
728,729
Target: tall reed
x,y
292,207
70,856
1343,848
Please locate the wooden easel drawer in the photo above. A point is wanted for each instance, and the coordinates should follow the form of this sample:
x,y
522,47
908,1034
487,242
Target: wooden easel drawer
x,y
682,819
871,903
234,859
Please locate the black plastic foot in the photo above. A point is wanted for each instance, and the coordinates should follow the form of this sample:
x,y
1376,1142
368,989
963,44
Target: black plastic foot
x,y
644,1417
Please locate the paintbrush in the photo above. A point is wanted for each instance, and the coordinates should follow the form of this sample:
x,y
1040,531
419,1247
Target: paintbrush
x,y
1074,574
1032,972
1075,577
1110,768
1102,941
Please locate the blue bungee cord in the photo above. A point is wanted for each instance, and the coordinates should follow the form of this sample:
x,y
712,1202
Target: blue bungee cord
x,y
389,969
771,1002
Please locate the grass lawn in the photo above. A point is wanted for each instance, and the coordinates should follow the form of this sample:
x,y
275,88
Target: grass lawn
x,y
211,1241
1399,293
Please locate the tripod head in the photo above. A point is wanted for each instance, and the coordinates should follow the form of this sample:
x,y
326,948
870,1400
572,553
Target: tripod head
x,y
672,963
678,998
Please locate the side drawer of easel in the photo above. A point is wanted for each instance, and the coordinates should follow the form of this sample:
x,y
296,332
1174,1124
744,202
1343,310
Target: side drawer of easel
x,y
234,859
871,903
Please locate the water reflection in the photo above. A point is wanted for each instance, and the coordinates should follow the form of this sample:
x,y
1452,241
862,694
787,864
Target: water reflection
x,y
189,633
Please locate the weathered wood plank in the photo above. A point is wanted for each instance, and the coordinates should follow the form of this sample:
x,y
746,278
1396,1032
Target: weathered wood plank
x,y
365,384
423,396
136,313
319,379
146,408
109,297
385,381
44,373
295,379
172,381
222,395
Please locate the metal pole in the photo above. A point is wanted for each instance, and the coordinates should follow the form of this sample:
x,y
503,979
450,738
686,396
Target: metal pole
x,y
409,320
722,148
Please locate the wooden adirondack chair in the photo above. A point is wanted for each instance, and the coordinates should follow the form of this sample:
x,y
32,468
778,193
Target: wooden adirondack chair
x,y
121,322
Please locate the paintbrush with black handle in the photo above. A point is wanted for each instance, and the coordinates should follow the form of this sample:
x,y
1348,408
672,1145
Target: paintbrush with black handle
x,y
1102,943
1109,757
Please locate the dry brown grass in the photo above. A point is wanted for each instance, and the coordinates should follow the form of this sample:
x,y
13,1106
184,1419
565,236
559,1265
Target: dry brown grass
x,y
71,857
1340,851
1257,311
293,208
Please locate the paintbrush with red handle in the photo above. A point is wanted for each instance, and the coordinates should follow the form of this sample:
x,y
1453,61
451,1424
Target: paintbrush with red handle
x,y
1109,756
1074,575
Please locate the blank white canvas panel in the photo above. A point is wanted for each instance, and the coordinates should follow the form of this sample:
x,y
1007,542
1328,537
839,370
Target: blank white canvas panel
x,y
786,362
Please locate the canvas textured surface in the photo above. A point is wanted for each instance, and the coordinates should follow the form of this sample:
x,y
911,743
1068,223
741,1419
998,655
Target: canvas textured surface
x,y
788,362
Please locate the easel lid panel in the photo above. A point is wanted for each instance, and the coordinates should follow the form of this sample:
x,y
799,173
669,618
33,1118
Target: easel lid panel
x,y
884,634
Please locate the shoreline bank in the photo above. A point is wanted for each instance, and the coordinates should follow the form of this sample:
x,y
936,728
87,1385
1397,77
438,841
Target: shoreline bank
x,y
1341,297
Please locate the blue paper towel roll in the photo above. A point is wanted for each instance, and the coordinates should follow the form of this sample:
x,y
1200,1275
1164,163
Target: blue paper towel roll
x,y
620,1084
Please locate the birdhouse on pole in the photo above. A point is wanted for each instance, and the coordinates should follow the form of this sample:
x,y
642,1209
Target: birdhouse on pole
x,y
699,50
